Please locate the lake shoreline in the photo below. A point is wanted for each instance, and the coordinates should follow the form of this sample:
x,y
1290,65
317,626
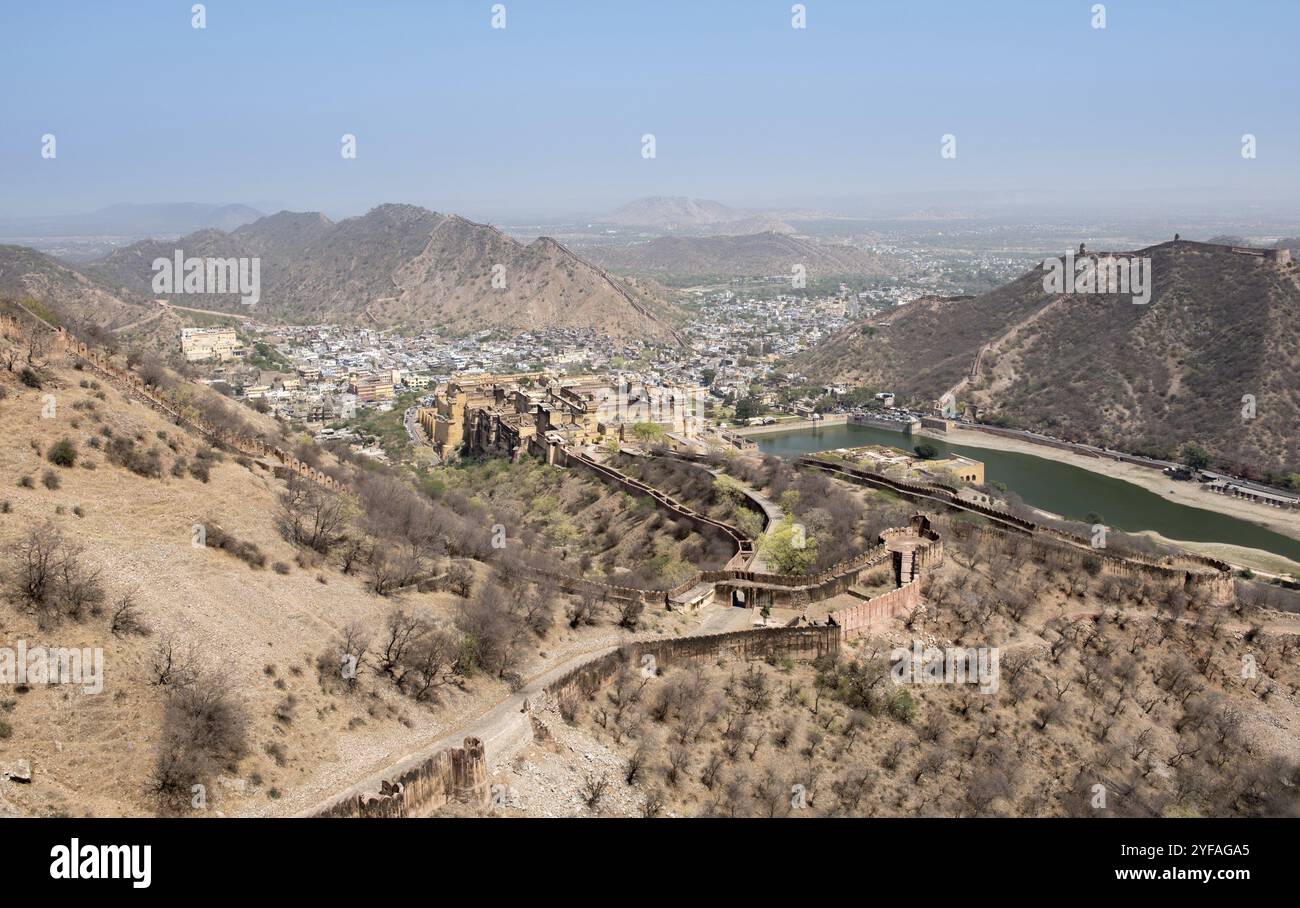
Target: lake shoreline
x,y
1191,494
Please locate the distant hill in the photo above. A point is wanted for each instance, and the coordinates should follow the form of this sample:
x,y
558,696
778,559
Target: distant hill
x,y
162,220
1147,378
682,215
759,254
405,265
673,212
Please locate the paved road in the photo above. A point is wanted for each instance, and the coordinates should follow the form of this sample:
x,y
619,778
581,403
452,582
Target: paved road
x,y
413,428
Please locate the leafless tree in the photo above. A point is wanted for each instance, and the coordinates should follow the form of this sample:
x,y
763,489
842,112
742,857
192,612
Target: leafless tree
x,y
311,516
393,567
931,763
498,636
173,664
401,631
352,550
850,788
679,757
204,730
1140,744
636,762
712,766
772,793
126,620
460,579
629,613
1048,714
583,611
894,753
539,609
430,662
593,790
653,803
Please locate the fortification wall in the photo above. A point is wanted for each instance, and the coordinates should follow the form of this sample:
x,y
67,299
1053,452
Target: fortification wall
x,y
857,620
579,586
701,522
130,384
766,510
801,644
791,425
1214,579
452,774
776,590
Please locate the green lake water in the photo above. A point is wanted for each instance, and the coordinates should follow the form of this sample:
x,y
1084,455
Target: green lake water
x,y
1063,489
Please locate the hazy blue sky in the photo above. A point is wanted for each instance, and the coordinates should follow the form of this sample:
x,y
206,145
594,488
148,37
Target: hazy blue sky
x,y
546,116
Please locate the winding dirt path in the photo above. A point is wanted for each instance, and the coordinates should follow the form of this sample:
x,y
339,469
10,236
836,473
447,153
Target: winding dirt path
x,y
505,726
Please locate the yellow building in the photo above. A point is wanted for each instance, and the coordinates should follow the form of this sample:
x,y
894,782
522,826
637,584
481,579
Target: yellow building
x,y
201,344
372,388
964,468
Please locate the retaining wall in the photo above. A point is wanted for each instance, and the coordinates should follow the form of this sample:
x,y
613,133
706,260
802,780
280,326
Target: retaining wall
x,y
453,774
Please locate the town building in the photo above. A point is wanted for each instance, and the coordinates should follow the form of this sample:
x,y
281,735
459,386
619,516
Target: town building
x,y
204,344
373,388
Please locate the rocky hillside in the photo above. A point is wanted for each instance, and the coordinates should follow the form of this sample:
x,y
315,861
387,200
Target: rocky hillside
x,y
405,265
724,257
1148,707
1098,368
222,593
67,295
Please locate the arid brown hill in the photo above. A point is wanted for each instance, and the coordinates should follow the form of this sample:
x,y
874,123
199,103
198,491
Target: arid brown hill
x,y
66,294
759,254
404,265
1098,368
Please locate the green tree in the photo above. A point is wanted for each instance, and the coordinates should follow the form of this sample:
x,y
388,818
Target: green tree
x,y
648,432
926,451
789,551
748,407
1195,456
729,489
902,705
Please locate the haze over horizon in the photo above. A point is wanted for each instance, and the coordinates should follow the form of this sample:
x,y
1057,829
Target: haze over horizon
x,y
544,119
